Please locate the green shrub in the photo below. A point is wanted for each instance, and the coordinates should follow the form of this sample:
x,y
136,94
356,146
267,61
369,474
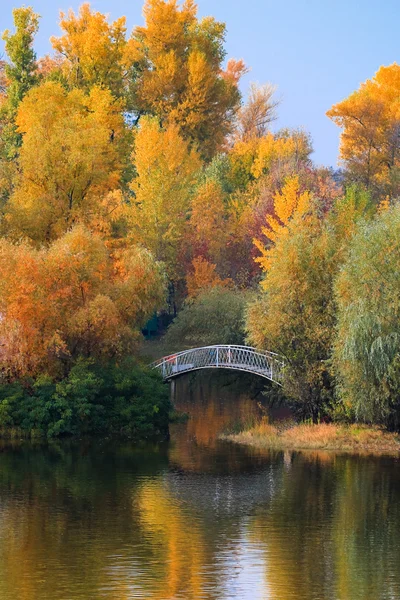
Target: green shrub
x,y
125,399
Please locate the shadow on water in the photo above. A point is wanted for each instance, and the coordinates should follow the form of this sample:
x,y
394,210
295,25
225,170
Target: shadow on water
x,y
197,517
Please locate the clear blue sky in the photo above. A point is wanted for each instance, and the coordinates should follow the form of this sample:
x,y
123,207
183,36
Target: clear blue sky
x,y
316,51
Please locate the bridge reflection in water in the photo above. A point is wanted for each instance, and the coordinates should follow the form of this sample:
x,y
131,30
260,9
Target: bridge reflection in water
x,y
239,358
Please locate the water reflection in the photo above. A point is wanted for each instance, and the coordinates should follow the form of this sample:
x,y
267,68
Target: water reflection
x,y
197,518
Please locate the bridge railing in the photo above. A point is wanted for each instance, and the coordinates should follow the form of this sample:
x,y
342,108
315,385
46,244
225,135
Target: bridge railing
x,y
242,358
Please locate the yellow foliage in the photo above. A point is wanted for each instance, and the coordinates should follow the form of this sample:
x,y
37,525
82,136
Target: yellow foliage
x,y
166,170
204,276
70,160
369,143
92,51
287,203
179,72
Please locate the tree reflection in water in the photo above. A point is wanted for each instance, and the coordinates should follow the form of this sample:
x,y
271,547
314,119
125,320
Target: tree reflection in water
x,y
196,518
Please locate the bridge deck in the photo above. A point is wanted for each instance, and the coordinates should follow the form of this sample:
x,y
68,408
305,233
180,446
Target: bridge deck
x,y
240,358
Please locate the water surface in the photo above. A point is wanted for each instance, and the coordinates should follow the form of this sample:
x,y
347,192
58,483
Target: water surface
x,y
197,517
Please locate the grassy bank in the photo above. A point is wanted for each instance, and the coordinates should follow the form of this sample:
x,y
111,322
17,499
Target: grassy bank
x,y
345,438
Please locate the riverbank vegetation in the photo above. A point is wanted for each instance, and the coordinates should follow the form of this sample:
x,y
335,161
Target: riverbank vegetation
x,y
136,180
325,436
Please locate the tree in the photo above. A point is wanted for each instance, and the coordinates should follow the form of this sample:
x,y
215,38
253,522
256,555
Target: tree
x,y
295,314
72,299
179,77
204,277
367,347
287,203
370,141
166,170
20,72
255,116
72,157
93,52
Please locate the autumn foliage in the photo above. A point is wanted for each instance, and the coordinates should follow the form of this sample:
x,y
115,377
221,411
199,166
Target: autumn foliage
x,y
135,179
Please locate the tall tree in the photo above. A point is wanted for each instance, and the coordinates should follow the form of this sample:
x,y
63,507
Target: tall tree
x,y
93,52
370,142
367,347
179,75
20,72
71,158
166,170
295,314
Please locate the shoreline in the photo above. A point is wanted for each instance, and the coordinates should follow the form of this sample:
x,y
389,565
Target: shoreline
x,y
354,439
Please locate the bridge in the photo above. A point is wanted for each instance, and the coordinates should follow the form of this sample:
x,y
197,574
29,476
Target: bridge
x,y
238,358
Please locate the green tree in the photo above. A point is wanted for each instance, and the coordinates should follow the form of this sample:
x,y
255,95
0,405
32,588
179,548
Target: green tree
x,y
367,347
214,317
296,313
20,71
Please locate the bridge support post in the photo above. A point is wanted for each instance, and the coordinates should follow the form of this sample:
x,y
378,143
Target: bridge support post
x,y
172,391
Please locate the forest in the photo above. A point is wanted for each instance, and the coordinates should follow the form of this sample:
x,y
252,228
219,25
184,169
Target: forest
x,y
138,178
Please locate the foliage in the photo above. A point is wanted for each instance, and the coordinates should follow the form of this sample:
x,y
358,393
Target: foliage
x,y
123,399
166,169
72,299
370,143
20,72
204,277
93,52
296,313
366,356
70,159
214,317
179,77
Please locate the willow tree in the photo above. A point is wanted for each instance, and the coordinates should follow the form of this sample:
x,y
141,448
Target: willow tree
x,y
367,348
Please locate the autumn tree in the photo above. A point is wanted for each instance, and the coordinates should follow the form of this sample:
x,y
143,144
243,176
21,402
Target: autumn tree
x,y
370,141
92,51
203,276
72,157
70,300
17,75
179,76
208,221
288,203
254,118
295,314
166,170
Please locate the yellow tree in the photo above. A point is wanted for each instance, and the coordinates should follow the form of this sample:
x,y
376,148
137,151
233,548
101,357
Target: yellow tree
x,y
93,51
179,76
370,141
71,158
166,170
288,203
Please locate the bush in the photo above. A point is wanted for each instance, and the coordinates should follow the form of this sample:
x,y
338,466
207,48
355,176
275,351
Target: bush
x,y
214,317
125,399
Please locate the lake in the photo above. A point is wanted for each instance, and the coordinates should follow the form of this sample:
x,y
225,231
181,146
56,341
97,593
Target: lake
x,y
196,517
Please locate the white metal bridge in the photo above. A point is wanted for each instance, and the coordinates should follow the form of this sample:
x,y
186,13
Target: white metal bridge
x,y
239,358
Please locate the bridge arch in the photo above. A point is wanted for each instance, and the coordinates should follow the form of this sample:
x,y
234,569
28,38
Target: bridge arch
x,y
238,358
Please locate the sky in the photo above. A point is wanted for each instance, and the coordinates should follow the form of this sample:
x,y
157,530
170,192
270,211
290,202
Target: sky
x,y
316,51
